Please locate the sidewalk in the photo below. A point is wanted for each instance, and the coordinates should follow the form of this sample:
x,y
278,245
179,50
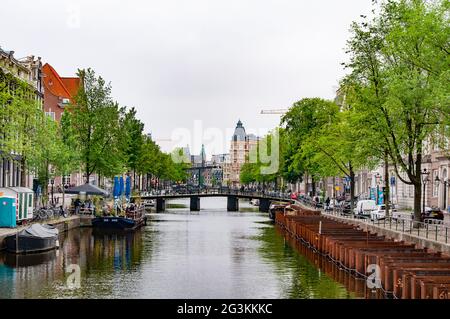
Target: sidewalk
x,y
435,237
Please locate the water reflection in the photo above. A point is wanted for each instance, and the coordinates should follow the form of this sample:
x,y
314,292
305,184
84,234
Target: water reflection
x,y
43,275
356,287
207,254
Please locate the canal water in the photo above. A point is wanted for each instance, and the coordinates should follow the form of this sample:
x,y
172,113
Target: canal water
x,y
180,254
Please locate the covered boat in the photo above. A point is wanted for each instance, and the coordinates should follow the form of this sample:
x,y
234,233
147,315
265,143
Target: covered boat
x,y
134,218
36,238
130,218
276,207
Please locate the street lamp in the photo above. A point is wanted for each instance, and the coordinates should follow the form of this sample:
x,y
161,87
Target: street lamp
x,y
425,180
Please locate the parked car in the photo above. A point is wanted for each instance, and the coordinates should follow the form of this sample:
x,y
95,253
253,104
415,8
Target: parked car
x,y
364,207
380,212
432,213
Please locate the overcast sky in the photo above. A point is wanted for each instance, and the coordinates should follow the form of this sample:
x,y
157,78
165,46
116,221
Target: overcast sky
x,y
182,61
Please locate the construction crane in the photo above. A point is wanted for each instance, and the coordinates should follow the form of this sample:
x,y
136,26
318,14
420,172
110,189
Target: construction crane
x,y
276,111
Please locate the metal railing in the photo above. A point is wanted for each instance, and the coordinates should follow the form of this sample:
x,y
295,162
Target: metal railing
x,y
224,191
429,229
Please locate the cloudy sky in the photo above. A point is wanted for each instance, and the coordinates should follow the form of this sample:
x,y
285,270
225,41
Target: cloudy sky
x,y
192,68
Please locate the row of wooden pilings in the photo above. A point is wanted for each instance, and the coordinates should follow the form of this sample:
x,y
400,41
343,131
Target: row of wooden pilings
x,y
399,269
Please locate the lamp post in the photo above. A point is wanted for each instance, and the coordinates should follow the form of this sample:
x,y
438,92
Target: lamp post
x,y
425,180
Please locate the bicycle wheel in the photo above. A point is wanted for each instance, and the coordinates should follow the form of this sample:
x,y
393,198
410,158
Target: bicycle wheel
x,y
42,214
50,213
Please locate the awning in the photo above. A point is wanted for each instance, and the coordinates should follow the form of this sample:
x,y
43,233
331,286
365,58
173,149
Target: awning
x,y
87,189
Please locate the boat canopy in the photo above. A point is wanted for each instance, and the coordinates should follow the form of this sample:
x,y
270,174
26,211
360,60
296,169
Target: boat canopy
x,y
38,230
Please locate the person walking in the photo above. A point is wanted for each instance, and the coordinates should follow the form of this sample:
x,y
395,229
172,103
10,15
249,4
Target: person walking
x,y
77,205
327,203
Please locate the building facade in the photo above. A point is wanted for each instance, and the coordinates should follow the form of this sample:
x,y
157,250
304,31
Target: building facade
x,y
27,71
59,93
241,145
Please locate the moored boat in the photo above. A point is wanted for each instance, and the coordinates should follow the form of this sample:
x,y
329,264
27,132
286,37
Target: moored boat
x,y
275,207
254,202
33,239
134,217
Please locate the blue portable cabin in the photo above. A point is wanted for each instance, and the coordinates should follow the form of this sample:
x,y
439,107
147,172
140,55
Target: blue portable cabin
x,y
24,201
7,211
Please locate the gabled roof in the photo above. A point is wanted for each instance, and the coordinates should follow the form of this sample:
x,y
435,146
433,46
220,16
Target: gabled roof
x,y
72,85
56,85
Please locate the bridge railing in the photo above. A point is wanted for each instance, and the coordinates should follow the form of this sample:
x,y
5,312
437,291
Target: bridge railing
x,y
224,191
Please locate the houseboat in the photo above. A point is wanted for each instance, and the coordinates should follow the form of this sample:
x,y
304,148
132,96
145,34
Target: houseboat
x,y
132,218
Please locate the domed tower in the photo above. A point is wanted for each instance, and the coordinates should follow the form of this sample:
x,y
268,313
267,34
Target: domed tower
x,y
241,143
239,132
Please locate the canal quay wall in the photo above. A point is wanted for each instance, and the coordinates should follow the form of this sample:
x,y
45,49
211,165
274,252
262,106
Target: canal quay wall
x,y
398,268
396,235
62,224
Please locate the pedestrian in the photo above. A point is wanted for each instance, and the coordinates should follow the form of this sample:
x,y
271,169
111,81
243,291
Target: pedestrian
x,y
327,203
77,205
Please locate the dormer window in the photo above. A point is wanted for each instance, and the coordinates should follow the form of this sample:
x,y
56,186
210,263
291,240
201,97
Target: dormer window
x,y
65,101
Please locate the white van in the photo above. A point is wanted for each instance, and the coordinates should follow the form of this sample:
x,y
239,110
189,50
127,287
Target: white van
x,y
364,207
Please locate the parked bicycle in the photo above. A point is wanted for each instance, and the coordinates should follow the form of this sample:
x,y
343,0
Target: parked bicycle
x,y
45,213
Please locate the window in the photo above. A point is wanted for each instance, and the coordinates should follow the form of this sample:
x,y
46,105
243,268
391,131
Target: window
x,y
51,114
66,180
435,183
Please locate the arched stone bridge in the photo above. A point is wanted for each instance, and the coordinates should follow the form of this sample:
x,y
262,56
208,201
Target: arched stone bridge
x,y
233,196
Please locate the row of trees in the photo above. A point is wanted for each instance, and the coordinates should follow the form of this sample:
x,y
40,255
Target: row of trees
x,y
96,135
391,106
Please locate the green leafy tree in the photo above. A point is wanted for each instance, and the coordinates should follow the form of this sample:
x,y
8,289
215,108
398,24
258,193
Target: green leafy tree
x,y
304,119
20,113
399,81
52,156
132,141
95,120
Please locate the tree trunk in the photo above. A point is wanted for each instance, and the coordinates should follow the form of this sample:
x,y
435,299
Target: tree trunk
x,y
417,202
305,180
417,188
334,187
23,175
63,196
313,186
352,189
87,173
387,185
